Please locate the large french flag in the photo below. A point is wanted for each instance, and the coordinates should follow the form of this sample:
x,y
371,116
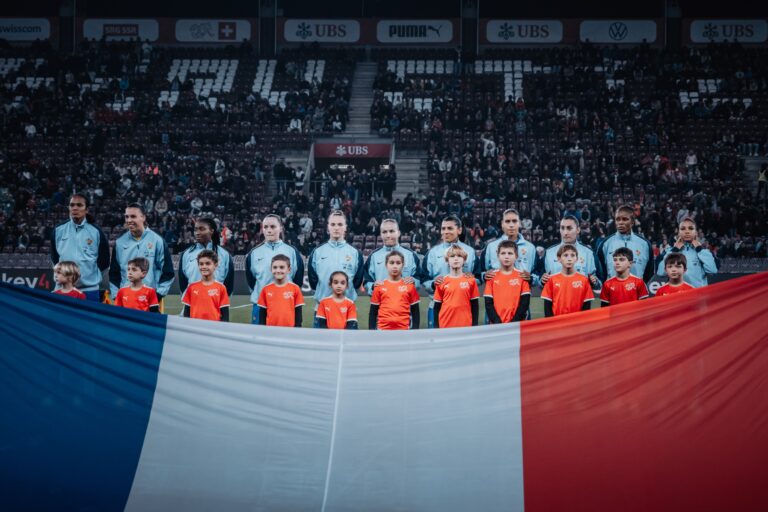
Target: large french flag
x,y
654,406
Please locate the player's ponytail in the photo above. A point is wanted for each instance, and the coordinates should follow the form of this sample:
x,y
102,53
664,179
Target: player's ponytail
x,y
215,236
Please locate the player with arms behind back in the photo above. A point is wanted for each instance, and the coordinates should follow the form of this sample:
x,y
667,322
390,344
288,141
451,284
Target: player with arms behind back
x,y
457,295
337,311
623,287
395,302
507,294
566,291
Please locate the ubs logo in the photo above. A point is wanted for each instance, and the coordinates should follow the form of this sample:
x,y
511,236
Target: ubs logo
x,y
618,31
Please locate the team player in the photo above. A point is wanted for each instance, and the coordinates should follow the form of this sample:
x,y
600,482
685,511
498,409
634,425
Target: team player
x,y
395,302
141,242
207,299
335,255
258,263
507,294
700,261
642,264
337,311
137,295
623,287
675,264
434,267
80,240
206,237
281,303
375,269
526,252
566,291
569,234
457,295
67,274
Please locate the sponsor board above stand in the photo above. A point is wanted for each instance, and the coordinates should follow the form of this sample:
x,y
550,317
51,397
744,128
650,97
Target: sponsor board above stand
x,y
321,31
415,31
25,29
352,150
121,29
618,31
524,31
753,31
212,31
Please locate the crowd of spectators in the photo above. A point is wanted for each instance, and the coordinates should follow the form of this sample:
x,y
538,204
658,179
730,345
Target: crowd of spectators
x,y
571,145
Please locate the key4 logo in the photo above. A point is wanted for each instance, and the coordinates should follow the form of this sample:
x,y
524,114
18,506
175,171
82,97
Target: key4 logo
x,y
31,278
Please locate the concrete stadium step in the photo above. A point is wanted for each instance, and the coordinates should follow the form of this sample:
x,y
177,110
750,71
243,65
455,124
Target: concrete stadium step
x,y
412,173
752,165
361,99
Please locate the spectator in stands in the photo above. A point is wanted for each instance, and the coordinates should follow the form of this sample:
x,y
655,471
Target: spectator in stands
x,y
83,242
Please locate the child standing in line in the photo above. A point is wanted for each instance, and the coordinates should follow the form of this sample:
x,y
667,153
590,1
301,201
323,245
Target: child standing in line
x,y
623,287
207,299
675,265
456,298
394,304
337,311
507,294
137,295
66,274
567,291
281,302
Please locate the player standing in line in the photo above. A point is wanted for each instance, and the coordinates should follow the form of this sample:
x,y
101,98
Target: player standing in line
x,y
258,263
206,237
81,241
337,311
375,269
507,294
207,299
334,255
624,287
137,295
566,291
700,261
141,242
456,297
394,303
642,263
569,234
281,302
675,264
526,252
435,267
66,274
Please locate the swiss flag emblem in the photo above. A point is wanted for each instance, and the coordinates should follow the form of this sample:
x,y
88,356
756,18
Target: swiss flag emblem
x,y
227,31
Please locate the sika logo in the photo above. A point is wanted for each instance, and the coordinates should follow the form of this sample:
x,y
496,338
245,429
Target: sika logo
x,y
618,31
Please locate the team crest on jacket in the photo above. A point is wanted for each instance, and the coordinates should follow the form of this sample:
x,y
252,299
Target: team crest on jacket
x,y
629,286
514,282
402,288
348,258
213,293
343,310
577,284
287,295
464,285
89,241
149,245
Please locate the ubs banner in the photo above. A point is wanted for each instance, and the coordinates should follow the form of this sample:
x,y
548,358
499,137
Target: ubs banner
x,y
321,31
524,31
743,31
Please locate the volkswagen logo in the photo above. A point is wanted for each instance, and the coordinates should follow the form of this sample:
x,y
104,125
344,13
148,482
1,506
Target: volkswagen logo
x,y
618,31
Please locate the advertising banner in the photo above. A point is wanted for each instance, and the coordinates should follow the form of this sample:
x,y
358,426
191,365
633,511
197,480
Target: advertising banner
x,y
357,150
25,29
718,31
212,31
414,31
524,31
321,31
618,31
121,29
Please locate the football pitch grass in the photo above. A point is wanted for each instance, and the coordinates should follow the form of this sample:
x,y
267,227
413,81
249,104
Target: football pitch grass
x,y
241,309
